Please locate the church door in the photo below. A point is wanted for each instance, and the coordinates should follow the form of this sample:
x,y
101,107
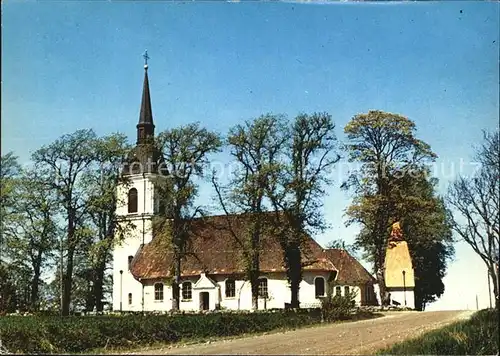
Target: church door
x,y
204,301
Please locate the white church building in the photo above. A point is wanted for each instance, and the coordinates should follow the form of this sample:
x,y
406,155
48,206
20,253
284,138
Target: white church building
x,y
213,271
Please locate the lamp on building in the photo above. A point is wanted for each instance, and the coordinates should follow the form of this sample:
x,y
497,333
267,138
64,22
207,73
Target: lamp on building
x,y
404,285
121,284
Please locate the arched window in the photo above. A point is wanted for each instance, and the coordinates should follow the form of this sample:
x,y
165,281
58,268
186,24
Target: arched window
x,y
132,200
159,291
230,288
319,287
263,287
187,291
130,258
346,290
129,298
338,291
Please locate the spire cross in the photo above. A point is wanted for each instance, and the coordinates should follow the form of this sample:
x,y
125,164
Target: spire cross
x,y
146,57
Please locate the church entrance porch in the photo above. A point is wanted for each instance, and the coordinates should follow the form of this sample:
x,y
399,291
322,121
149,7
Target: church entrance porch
x,y
204,301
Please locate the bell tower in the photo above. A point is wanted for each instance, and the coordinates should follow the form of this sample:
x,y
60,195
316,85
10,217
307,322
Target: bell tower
x,y
136,206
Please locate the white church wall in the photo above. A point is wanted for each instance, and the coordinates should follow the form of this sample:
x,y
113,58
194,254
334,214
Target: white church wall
x,y
356,289
124,283
145,194
137,231
400,295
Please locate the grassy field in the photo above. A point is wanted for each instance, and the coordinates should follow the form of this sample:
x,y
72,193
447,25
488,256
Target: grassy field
x,y
476,336
51,334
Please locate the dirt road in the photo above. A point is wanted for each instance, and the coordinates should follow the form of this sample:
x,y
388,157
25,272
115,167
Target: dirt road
x,y
360,337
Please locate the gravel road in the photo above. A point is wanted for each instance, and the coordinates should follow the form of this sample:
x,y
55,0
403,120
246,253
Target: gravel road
x,y
362,337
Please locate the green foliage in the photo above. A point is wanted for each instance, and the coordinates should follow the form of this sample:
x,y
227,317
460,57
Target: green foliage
x,y
385,187
256,147
8,173
427,228
298,187
338,307
8,295
477,336
185,153
82,334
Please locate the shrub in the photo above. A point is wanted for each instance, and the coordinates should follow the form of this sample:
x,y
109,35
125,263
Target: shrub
x,y
337,307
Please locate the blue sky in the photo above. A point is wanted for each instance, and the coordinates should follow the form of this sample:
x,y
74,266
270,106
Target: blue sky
x,y
73,64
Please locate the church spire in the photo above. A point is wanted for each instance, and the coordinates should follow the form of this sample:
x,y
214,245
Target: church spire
x,y
145,127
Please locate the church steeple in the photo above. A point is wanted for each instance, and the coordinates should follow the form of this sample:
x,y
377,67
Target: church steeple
x,y
145,127
145,157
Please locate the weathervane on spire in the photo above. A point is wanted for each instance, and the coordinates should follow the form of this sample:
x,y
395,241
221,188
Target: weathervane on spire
x,y
146,57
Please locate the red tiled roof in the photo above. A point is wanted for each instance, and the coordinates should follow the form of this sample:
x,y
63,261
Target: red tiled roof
x,y
213,249
351,272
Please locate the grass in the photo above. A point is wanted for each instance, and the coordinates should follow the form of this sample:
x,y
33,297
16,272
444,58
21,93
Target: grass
x,y
475,336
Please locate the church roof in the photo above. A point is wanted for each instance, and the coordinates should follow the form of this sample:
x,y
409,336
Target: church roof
x,y
351,272
145,157
213,249
397,260
146,114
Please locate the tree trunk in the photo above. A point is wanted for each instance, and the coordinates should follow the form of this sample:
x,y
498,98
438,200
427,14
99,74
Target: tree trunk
x,y
176,282
98,287
493,272
67,282
99,292
90,296
380,273
35,283
255,268
294,275
254,283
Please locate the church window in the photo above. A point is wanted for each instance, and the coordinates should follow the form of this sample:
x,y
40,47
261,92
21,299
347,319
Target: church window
x,y
346,290
130,258
159,292
319,287
263,287
187,291
132,200
230,288
338,291
129,298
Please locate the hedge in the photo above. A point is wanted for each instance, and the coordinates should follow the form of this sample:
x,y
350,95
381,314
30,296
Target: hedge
x,y
50,334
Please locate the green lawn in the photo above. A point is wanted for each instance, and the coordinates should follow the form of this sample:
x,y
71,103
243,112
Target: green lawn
x,y
476,336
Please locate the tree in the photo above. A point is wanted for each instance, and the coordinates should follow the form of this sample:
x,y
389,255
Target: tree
x,y
296,189
256,146
426,224
33,232
9,170
8,295
66,160
386,146
100,183
475,202
185,153
341,245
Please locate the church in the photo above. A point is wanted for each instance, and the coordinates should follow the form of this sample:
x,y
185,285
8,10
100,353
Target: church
x,y
212,275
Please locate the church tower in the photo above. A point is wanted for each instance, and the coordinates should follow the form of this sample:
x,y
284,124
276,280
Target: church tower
x,y
137,204
399,274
